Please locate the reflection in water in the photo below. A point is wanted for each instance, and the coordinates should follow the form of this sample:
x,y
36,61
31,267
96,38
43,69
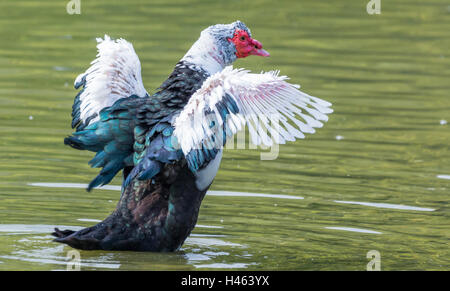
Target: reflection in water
x,y
243,194
61,68
197,248
206,242
32,228
196,257
208,226
210,193
225,266
36,249
39,249
353,229
73,185
387,141
88,220
386,205
199,251
207,235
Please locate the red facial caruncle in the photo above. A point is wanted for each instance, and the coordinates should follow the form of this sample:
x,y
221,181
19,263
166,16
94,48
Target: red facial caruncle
x,y
246,46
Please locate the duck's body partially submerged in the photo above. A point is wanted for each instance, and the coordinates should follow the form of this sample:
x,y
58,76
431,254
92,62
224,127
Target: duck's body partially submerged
x,y
169,144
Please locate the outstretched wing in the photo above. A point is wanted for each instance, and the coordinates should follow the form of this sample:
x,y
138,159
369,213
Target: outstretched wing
x,y
273,109
104,110
114,74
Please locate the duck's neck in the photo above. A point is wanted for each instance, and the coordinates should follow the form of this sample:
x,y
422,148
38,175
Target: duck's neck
x,y
210,54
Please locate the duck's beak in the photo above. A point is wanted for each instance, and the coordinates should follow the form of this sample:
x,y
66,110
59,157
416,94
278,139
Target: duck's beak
x,y
257,49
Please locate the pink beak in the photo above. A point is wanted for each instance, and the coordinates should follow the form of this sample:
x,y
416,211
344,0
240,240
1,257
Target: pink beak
x,y
258,50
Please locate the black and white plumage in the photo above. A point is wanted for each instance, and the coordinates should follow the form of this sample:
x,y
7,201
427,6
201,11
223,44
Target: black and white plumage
x,y
169,144
114,74
265,102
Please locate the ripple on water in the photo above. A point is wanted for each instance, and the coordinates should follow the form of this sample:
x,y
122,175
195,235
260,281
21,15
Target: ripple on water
x,y
73,185
38,249
34,248
225,266
61,68
244,194
353,229
32,228
208,226
89,220
197,257
198,260
386,205
207,235
209,193
207,242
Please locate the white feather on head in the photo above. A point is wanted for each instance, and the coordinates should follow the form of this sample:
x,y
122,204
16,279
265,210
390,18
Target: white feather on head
x,y
212,51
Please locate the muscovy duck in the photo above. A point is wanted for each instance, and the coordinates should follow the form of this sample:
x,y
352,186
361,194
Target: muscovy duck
x,y
169,144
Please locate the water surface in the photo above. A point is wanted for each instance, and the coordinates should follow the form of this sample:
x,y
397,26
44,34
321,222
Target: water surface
x,y
376,177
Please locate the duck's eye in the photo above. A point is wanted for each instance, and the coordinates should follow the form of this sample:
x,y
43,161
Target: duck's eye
x,y
242,38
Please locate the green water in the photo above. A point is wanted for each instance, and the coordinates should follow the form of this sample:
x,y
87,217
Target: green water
x,y
387,142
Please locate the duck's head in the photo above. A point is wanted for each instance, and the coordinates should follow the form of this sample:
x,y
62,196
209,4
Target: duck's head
x,y
221,44
236,40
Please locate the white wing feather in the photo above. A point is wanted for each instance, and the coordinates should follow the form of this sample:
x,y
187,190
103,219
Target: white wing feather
x,y
114,74
273,109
